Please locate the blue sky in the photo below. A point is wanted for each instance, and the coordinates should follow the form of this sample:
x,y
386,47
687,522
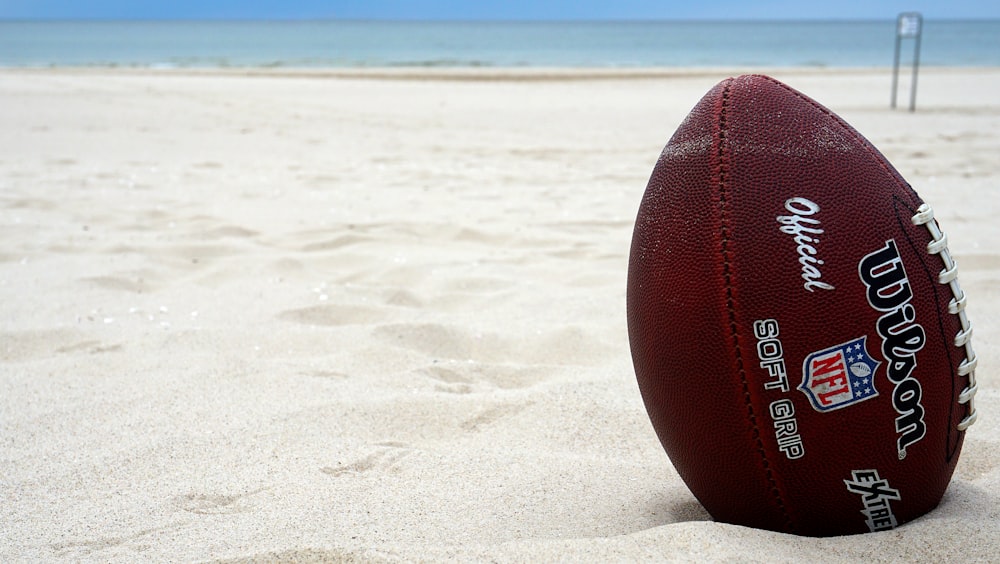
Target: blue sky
x,y
495,9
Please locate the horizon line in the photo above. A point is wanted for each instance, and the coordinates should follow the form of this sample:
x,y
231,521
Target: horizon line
x,y
59,19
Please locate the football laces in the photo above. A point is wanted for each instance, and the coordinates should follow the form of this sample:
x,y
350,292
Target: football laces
x,y
963,340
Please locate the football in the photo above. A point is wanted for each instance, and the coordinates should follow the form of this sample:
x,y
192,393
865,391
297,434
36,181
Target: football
x,y
797,328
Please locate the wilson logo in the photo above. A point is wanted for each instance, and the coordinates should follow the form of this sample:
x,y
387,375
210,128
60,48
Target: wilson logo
x,y
902,337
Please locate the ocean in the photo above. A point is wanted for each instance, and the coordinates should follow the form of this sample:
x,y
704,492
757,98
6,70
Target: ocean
x,y
488,44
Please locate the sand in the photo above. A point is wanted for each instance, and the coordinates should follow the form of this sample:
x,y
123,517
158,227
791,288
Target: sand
x,y
373,315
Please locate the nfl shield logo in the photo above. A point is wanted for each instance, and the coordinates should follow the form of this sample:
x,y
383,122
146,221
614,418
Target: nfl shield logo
x,y
839,376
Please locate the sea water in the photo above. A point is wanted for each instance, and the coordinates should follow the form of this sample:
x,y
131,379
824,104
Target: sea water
x,y
488,44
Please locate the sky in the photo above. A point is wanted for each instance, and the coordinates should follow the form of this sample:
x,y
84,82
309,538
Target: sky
x,y
495,9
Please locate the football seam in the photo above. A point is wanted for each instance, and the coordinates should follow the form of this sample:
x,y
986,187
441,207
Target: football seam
x,y
730,305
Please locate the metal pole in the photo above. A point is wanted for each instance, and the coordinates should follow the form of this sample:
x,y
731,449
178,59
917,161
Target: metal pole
x,y
895,72
916,66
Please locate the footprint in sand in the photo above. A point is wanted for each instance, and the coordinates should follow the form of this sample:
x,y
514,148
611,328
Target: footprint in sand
x,y
464,378
332,315
446,342
386,458
122,283
568,345
492,414
90,346
17,346
336,243
213,504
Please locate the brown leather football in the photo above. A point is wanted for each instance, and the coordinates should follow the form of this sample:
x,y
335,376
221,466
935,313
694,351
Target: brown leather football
x,y
798,332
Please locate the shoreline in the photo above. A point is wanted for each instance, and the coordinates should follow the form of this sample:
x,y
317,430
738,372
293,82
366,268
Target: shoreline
x,y
539,73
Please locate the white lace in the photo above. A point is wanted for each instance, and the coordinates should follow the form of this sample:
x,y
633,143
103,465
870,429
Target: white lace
x,y
949,276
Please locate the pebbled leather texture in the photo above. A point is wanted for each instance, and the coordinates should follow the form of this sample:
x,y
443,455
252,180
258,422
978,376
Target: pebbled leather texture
x,y
748,296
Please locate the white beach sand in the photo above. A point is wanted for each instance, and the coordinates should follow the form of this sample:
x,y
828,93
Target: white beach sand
x,y
320,317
